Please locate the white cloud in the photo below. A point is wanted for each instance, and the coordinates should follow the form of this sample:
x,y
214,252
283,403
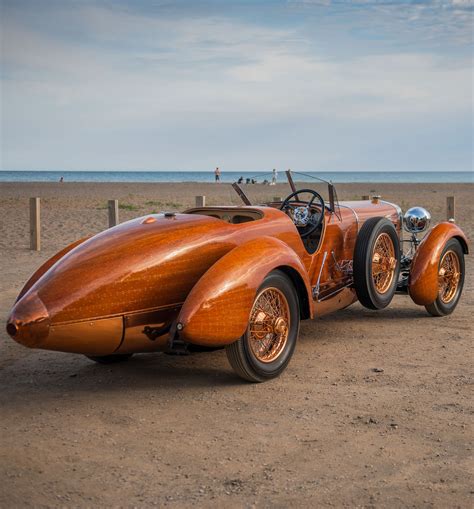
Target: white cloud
x,y
218,65
131,70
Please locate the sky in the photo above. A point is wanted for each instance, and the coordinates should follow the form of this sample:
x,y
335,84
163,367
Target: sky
x,y
363,85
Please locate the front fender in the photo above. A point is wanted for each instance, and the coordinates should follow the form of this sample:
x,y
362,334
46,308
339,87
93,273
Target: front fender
x,y
217,309
47,265
423,282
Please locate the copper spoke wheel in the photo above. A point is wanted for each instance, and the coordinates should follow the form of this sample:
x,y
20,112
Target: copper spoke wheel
x,y
451,270
384,262
449,275
266,347
376,264
269,324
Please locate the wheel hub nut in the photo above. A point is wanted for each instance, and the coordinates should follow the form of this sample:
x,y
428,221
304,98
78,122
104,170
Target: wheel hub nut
x,y
280,325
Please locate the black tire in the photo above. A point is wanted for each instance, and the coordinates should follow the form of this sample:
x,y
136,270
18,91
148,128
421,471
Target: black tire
x,y
438,307
367,292
240,354
110,359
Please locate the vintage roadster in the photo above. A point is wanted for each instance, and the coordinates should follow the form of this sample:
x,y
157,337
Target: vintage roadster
x,y
239,277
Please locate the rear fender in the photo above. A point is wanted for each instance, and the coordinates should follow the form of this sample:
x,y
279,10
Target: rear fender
x,y
216,311
423,282
47,265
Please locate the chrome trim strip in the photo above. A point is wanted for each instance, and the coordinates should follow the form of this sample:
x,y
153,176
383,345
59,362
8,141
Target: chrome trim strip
x,y
336,291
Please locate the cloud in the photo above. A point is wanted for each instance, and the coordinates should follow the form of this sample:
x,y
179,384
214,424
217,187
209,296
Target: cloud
x,y
220,65
115,70
421,23
456,4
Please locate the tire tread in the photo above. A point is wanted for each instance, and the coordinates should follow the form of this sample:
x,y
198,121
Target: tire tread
x,y
236,360
361,252
437,308
236,352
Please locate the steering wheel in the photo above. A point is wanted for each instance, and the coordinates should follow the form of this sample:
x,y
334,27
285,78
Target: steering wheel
x,y
306,220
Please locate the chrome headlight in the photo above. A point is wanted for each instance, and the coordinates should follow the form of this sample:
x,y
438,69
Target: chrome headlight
x,y
416,220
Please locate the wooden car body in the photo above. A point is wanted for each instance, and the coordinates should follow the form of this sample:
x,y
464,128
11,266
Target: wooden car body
x,y
129,288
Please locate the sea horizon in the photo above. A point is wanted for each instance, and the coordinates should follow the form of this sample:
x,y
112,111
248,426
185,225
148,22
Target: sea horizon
x,y
150,176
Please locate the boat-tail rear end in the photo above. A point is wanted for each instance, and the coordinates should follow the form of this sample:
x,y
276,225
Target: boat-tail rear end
x,y
108,288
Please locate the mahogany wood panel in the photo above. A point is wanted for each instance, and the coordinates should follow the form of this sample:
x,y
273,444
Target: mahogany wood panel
x,y
91,337
217,310
97,295
140,266
47,265
29,321
132,267
423,282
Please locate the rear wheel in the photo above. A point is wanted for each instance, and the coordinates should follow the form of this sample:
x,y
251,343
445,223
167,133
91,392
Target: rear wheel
x,y
376,263
267,346
110,359
450,279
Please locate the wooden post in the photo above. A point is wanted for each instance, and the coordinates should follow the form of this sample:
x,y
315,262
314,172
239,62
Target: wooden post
x,y
450,208
365,197
200,201
113,213
35,224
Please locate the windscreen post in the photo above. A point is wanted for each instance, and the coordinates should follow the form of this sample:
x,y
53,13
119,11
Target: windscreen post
x,y
290,181
331,197
241,193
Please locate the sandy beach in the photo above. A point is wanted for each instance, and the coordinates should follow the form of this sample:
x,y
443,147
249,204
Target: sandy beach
x,y
374,410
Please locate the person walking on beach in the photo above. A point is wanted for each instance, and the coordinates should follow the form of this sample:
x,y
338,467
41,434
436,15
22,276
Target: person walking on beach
x,y
217,174
274,177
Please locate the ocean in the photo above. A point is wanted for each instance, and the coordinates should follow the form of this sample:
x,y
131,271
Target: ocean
x,y
232,176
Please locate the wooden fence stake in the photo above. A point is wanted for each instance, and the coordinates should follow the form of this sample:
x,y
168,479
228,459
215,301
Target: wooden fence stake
x,y
35,224
113,213
200,201
450,208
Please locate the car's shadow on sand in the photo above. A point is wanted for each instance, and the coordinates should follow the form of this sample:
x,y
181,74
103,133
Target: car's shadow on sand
x,y
49,374
359,313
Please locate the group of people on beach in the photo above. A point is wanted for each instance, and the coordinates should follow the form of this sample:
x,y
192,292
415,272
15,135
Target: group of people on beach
x,y
217,176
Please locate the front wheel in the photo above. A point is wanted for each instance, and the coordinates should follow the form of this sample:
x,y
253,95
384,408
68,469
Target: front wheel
x,y
450,279
267,346
376,263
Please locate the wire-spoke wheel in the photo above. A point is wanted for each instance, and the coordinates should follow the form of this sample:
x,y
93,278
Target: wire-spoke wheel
x,y
450,279
448,276
265,349
383,262
376,263
269,325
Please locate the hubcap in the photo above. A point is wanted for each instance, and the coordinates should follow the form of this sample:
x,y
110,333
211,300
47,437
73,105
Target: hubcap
x,y
449,275
384,263
269,325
